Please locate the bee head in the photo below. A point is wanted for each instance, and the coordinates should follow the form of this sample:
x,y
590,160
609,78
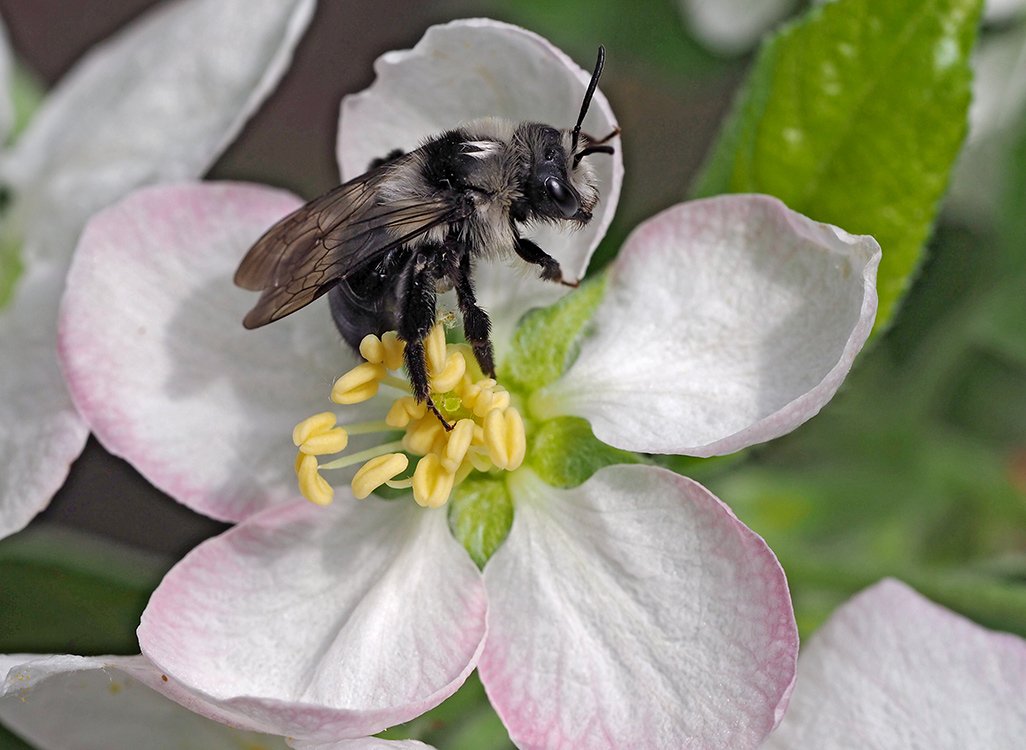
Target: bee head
x,y
559,184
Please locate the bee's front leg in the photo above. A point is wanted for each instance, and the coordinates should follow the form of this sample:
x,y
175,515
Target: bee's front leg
x,y
550,270
416,318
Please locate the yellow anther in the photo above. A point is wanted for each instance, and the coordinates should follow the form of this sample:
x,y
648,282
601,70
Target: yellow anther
x,y
486,434
451,374
420,436
359,384
311,484
431,482
376,472
480,459
517,437
505,438
372,350
434,350
332,441
394,349
463,472
458,444
483,402
311,426
500,399
404,410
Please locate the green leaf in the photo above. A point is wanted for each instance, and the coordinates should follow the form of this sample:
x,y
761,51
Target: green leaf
x,y
854,116
564,452
10,263
480,516
65,592
466,721
9,741
547,340
27,93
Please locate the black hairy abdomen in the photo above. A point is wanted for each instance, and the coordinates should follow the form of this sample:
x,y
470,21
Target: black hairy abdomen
x,y
367,300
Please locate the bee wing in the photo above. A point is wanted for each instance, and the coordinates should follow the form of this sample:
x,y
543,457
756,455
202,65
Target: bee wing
x,y
303,255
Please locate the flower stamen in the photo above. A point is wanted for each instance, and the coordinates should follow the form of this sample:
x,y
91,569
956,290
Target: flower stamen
x,y
481,431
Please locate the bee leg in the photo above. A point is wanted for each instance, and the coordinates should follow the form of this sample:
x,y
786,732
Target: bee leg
x,y
416,318
550,270
476,325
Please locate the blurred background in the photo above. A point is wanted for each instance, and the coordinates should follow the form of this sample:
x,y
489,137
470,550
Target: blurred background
x,y
917,469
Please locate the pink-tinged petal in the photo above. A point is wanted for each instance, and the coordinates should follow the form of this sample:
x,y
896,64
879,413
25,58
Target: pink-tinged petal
x,y
159,100
158,362
726,322
635,611
322,624
891,669
477,68
41,434
732,27
156,102
366,743
91,703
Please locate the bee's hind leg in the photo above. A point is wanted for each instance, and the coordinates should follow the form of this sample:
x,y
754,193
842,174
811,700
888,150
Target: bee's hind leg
x,y
416,318
476,325
550,268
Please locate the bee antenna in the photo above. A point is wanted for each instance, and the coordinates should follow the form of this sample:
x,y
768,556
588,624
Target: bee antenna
x,y
587,96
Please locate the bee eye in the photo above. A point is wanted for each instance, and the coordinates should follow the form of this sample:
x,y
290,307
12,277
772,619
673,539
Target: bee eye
x,y
562,196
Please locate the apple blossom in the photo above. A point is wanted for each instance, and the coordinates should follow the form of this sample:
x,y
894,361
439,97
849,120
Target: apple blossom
x,y
159,100
891,669
102,702
626,606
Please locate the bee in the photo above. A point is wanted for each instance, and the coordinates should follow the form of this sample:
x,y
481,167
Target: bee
x,y
385,244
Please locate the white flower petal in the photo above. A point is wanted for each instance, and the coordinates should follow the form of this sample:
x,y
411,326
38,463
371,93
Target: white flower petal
x,y
481,68
891,669
159,100
156,102
726,322
999,84
366,743
41,434
322,623
91,703
1003,10
995,116
159,364
635,611
732,27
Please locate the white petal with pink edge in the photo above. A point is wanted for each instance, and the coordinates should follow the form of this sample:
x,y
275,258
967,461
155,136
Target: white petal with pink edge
x,y
92,703
726,322
322,624
367,743
161,99
41,434
635,611
158,101
476,68
891,669
158,362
